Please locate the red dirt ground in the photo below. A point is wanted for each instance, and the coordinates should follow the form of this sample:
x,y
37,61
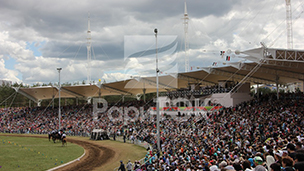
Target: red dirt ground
x,y
94,157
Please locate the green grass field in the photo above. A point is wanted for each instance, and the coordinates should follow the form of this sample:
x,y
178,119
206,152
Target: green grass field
x,y
31,153
24,153
124,151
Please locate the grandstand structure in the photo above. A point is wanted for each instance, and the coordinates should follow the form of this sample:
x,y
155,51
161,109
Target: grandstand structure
x,y
264,66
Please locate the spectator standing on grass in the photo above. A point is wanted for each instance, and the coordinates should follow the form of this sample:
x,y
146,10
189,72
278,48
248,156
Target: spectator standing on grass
x,y
129,166
122,166
136,165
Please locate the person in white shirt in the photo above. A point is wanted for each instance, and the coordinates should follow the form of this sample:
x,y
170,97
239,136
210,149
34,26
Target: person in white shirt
x,y
129,166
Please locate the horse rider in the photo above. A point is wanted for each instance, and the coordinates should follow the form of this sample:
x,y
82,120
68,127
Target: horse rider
x,y
63,135
60,133
53,132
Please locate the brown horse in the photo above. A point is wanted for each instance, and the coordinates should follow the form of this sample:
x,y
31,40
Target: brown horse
x,y
64,141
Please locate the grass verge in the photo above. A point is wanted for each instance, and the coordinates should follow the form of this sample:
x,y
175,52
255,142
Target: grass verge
x,y
25,154
123,151
30,153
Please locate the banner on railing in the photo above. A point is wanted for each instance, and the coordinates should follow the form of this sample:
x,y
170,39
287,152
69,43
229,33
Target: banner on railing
x,y
200,108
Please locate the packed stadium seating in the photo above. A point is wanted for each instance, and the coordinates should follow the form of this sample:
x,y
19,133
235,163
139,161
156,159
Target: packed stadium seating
x,y
251,132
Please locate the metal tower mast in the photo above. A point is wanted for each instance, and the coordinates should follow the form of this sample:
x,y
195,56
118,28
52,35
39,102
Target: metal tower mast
x,y
89,57
186,18
289,25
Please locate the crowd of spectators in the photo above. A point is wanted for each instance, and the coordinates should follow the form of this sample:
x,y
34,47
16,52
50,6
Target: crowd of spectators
x,y
75,120
43,120
255,135
260,134
203,90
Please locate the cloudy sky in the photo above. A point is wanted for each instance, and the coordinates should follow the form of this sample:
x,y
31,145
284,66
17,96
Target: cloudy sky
x,y
36,37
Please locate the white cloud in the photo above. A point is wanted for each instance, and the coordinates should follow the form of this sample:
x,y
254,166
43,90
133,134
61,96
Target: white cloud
x,y
14,49
213,26
118,76
7,74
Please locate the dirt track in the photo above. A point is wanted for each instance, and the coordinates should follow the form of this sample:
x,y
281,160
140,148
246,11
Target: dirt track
x,y
96,156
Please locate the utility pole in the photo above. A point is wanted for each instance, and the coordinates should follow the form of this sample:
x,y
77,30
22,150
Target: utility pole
x,y
59,110
289,25
157,101
89,57
186,18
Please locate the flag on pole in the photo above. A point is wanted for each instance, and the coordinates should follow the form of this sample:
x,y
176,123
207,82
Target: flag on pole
x,y
222,53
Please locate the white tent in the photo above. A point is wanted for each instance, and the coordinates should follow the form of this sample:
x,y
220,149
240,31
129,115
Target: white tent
x,y
267,66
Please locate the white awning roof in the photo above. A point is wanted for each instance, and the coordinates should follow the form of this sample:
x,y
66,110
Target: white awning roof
x,y
268,66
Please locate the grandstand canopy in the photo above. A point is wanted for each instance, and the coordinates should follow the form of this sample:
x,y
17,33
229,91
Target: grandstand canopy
x,y
266,66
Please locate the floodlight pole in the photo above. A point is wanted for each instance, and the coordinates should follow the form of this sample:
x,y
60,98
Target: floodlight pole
x,y
59,111
157,102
